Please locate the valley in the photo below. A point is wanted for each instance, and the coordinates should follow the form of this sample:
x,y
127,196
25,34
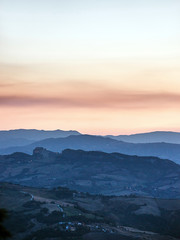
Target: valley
x,y
60,213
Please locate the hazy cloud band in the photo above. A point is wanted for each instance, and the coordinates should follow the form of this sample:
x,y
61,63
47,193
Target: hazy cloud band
x,y
107,99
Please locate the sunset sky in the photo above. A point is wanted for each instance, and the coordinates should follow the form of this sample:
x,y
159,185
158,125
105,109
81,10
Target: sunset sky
x,y
97,66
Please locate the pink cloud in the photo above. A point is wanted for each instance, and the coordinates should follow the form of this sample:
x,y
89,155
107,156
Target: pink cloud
x,y
104,99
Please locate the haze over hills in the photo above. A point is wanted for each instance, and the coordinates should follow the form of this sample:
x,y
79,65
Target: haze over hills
x,y
21,137
36,135
135,190
98,143
150,137
94,172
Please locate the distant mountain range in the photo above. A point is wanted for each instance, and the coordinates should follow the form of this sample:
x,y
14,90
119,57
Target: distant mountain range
x,y
94,172
158,144
21,137
98,143
151,137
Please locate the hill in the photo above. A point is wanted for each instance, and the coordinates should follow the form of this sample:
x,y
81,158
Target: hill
x,y
151,137
94,172
21,137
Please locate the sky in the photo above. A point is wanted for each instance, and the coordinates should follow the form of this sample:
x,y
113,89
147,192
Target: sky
x,y
99,66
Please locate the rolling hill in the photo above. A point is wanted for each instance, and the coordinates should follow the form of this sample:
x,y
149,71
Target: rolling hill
x,y
94,172
62,214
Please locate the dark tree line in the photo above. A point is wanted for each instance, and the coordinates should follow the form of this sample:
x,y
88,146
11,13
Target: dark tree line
x,y
4,233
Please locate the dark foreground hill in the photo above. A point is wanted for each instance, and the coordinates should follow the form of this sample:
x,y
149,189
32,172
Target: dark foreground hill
x,y
94,172
97,143
61,214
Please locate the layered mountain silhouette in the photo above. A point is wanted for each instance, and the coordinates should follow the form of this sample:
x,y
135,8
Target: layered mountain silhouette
x,y
98,143
132,179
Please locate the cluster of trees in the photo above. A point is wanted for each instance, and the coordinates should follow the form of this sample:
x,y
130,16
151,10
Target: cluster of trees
x,y
4,233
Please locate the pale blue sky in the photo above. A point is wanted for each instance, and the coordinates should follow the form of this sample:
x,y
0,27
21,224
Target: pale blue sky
x,y
51,30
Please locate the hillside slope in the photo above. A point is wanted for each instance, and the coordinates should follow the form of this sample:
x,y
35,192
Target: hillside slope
x,y
95,172
69,215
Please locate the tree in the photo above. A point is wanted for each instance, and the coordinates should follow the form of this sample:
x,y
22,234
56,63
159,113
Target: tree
x,y
4,233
